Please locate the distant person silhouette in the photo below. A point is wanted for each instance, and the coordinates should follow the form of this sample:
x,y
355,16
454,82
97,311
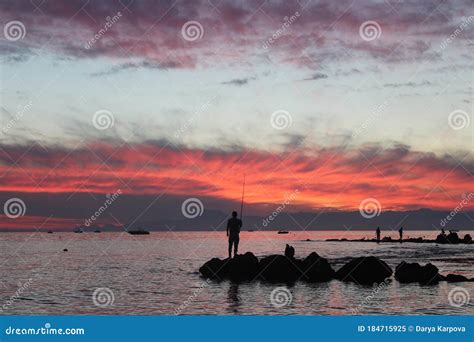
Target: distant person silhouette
x,y
400,232
289,251
377,233
233,229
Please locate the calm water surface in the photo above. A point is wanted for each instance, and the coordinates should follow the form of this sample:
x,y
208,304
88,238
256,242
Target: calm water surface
x,y
158,273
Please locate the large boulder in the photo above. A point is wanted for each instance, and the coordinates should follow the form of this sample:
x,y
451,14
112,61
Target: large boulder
x,y
364,270
467,238
242,267
414,272
317,269
213,269
279,268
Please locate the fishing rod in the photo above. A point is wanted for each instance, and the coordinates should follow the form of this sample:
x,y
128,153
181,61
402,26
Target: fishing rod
x,y
242,202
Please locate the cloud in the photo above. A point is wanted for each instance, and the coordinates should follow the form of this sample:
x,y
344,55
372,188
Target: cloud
x,y
50,178
316,76
321,173
407,84
152,30
239,81
137,65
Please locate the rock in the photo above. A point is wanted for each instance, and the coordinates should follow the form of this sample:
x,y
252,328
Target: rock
x,y
454,278
411,273
65,250
279,268
242,267
364,270
213,269
317,269
452,237
467,238
441,238
416,240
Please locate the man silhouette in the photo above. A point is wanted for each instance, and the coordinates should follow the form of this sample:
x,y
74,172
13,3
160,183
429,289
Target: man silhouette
x,y
233,229
377,233
400,232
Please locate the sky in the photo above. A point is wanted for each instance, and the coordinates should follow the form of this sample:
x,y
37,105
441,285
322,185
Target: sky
x,y
323,105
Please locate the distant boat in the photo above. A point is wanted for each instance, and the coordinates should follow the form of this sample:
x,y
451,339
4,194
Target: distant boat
x,y
283,232
78,230
97,231
139,231
50,232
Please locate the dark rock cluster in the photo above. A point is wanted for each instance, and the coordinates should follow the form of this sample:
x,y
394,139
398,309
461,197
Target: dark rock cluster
x,y
314,268
273,268
451,238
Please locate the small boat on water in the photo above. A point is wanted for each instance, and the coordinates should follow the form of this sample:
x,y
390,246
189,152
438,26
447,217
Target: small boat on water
x,y
50,232
78,230
139,231
97,231
283,232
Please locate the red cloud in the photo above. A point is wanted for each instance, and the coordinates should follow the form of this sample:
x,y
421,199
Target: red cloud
x,y
399,178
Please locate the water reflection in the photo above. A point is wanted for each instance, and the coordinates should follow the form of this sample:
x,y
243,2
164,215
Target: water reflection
x,y
233,298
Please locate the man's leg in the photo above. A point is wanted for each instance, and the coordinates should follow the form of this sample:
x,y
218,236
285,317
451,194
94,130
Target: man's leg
x,y
230,247
236,246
